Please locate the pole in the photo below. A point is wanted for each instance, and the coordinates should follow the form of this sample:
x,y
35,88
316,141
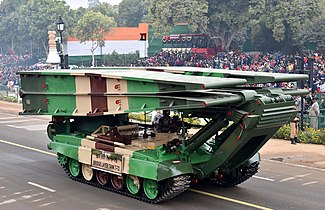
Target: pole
x,y
311,74
61,52
145,49
101,55
302,98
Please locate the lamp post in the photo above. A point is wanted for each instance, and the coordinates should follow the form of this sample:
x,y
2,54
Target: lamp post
x,y
60,27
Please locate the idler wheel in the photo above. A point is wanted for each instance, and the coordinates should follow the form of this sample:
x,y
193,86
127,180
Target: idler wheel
x,y
74,167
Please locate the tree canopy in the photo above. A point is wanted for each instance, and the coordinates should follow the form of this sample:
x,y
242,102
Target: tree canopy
x,y
165,14
131,12
269,24
93,26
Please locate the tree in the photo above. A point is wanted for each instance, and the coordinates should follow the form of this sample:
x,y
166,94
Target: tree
x,y
106,9
166,13
9,16
227,19
36,17
75,15
222,19
313,33
93,26
283,17
93,3
131,12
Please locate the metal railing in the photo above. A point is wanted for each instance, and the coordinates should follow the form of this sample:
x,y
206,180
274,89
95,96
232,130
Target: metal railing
x,y
5,91
320,118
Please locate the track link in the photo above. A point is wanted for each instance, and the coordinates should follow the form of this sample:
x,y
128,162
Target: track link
x,y
241,176
169,188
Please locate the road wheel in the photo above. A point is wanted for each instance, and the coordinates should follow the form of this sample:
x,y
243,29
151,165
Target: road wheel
x,y
87,172
74,167
133,184
50,131
150,188
117,182
102,177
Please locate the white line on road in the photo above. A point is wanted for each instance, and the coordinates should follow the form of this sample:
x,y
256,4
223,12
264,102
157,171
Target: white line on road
x,y
25,197
37,200
1,178
47,204
303,175
2,188
287,179
41,186
294,177
8,201
309,183
263,178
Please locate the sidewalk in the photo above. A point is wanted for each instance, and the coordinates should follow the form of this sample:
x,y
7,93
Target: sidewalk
x,y
311,155
10,107
275,149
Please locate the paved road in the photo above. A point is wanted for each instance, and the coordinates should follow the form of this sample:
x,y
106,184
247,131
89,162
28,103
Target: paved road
x,y
30,178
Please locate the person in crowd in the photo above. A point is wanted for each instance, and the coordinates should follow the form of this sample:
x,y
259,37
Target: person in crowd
x,y
164,122
314,113
176,124
294,131
156,115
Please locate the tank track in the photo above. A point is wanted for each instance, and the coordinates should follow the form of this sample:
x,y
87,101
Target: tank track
x,y
242,175
170,188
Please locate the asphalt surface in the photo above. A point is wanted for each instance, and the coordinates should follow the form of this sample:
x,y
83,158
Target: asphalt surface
x,y
31,178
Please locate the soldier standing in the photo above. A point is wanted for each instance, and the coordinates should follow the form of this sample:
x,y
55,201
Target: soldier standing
x,y
294,131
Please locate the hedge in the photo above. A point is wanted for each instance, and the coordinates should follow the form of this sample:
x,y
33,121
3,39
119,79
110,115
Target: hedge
x,y
309,135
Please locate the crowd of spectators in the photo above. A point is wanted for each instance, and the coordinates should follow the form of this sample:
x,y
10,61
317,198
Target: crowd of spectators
x,y
10,64
261,62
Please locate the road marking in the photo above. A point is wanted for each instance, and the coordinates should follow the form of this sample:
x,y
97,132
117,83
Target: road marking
x,y
309,183
47,204
230,199
303,175
37,200
41,186
1,178
2,188
263,178
26,147
25,197
294,177
8,202
287,179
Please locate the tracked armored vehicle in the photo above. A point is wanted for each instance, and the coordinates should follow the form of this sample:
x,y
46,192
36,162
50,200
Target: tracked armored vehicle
x,y
96,142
